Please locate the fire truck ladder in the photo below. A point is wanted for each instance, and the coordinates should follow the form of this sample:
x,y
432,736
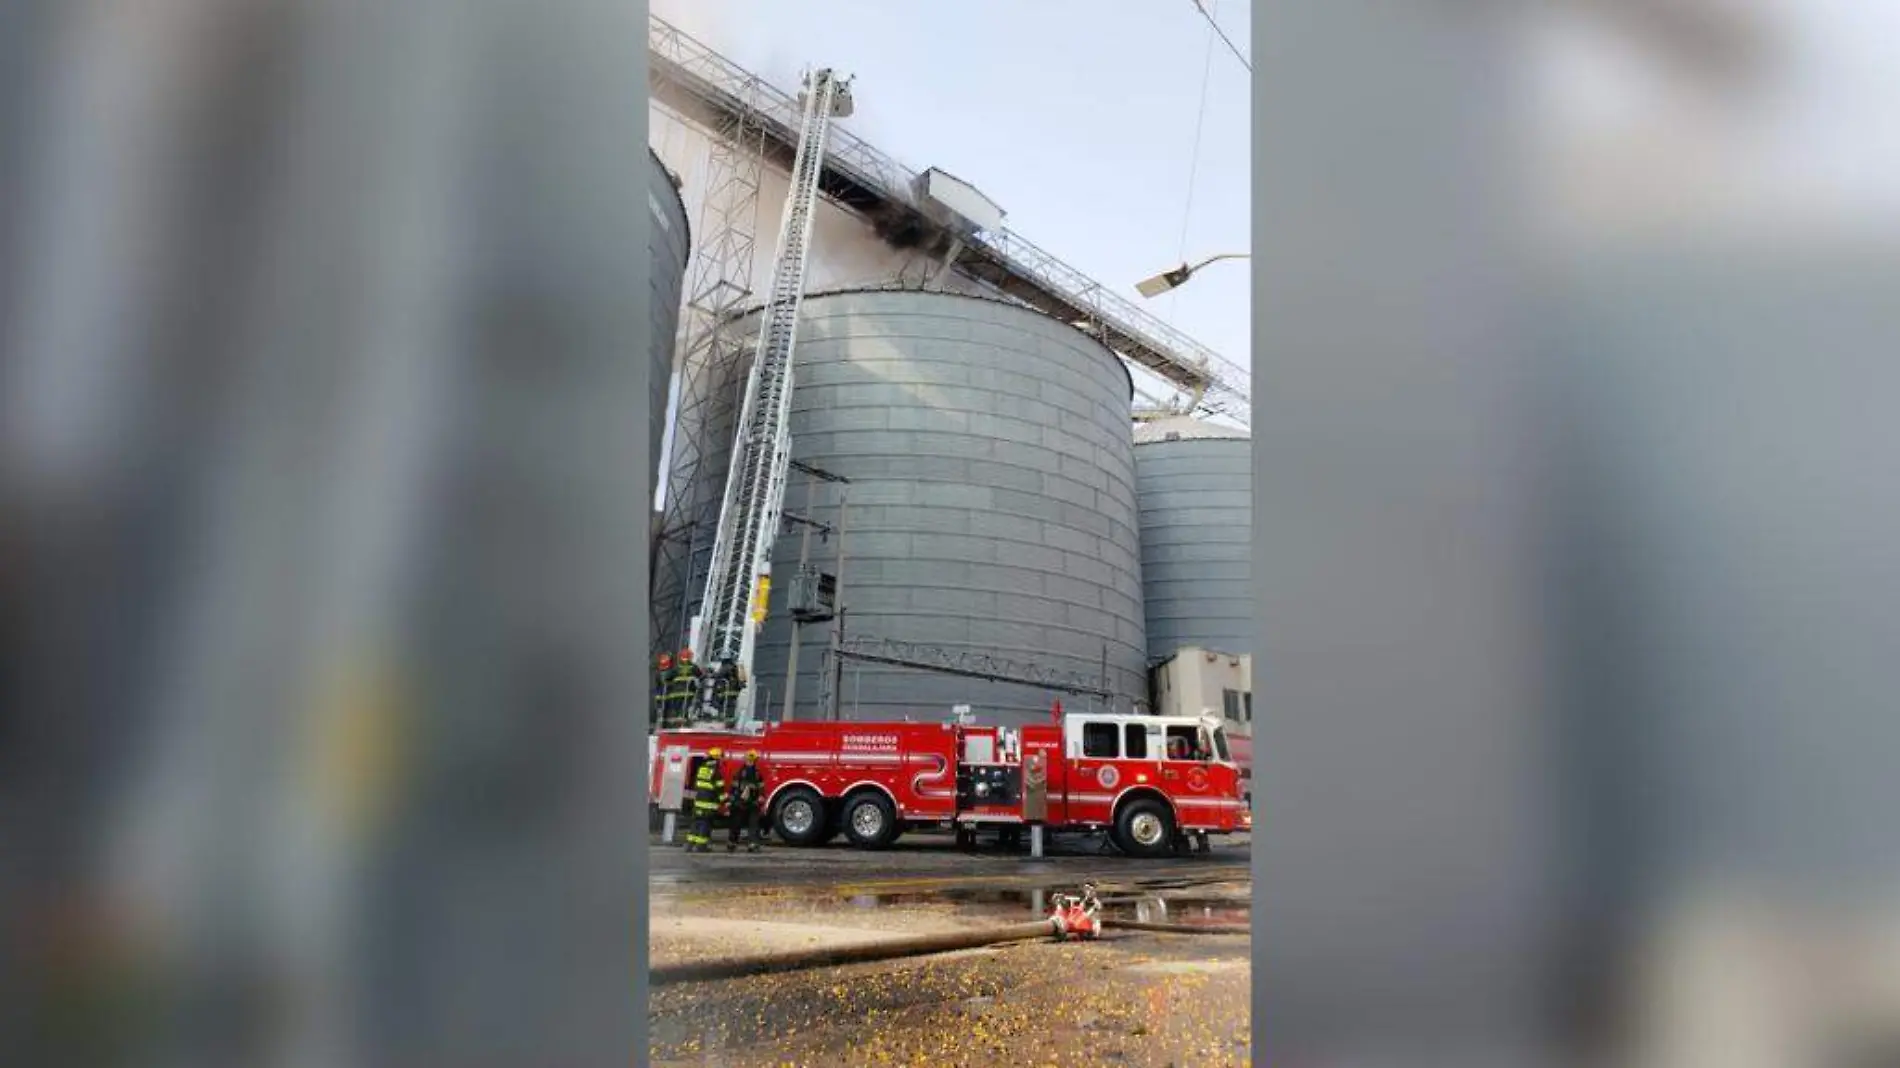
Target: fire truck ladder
x,y
739,579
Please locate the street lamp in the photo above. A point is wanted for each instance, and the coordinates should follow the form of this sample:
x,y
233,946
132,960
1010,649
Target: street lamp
x,y
1167,280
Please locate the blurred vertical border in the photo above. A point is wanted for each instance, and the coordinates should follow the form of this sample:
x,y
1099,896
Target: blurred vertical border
x,y
1575,341
323,440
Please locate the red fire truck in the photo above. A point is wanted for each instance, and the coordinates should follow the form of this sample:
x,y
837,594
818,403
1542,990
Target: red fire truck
x,y
1146,780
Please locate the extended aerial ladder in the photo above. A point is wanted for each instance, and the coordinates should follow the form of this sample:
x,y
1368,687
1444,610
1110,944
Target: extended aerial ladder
x,y
739,579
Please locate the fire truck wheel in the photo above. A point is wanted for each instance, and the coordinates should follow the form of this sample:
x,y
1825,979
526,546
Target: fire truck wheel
x,y
798,817
869,820
1144,828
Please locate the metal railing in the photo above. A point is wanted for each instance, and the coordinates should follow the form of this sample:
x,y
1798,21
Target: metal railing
x,y
989,667
680,60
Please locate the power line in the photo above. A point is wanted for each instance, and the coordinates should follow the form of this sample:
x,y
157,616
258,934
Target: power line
x,y
1209,16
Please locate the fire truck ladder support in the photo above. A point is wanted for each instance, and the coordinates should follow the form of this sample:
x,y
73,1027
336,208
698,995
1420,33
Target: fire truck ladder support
x,y
736,584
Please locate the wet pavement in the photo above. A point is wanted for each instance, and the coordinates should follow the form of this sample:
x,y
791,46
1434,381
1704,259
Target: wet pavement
x,y
922,855
1131,998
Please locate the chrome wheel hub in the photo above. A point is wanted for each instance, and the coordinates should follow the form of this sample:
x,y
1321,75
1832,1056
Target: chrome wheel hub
x,y
798,816
1145,829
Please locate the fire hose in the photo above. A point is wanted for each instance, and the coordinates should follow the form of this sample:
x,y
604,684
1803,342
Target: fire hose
x,y
1073,917
700,971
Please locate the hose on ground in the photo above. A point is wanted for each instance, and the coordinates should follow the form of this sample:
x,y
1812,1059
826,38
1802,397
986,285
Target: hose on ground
x,y
794,960
1176,928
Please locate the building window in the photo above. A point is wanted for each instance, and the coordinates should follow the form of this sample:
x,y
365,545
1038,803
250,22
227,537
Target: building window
x,y
1230,704
1135,742
1246,705
1101,741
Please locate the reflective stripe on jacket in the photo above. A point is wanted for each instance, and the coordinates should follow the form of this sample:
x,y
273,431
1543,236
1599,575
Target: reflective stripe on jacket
x,y
707,786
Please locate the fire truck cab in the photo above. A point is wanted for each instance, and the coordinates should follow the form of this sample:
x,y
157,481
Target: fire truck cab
x,y
1148,781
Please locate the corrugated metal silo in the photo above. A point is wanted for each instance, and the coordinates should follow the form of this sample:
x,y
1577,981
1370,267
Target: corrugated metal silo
x,y
992,501
670,246
1194,481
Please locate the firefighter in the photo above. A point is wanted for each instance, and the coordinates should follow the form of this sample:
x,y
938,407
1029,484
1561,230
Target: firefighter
x,y
1188,841
1203,751
709,790
727,682
682,688
663,705
748,788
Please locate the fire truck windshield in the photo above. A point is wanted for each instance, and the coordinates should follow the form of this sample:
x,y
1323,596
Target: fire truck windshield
x,y
1220,745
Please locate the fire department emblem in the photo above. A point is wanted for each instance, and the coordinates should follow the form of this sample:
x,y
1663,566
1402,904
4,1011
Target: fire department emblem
x,y
1108,776
1197,778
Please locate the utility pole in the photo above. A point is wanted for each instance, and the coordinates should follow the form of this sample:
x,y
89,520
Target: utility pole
x,y
804,561
836,677
808,600
831,680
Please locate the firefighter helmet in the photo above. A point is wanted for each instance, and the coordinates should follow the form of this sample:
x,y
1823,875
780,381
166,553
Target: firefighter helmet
x,y
714,753
666,661
686,656
752,756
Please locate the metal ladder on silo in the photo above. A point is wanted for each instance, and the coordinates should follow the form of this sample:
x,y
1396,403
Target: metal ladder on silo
x,y
739,579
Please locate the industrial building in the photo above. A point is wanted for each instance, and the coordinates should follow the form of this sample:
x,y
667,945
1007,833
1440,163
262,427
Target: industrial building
x,y
961,475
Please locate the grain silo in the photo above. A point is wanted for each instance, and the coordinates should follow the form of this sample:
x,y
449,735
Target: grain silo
x,y
992,501
1194,482
670,246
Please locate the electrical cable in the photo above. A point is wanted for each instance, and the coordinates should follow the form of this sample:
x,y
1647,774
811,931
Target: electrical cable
x,y
1198,6
1194,157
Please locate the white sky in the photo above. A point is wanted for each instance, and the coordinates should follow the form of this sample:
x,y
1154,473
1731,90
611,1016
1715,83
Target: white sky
x,y
1076,116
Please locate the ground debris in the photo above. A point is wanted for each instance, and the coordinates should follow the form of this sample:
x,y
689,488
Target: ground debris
x,y
1017,1008
1128,1000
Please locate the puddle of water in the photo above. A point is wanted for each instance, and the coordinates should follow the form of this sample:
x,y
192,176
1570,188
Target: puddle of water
x,y
1162,907
952,895
1203,916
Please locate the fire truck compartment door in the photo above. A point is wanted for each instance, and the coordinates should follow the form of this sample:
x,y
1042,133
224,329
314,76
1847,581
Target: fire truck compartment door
x,y
1036,786
979,749
673,778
